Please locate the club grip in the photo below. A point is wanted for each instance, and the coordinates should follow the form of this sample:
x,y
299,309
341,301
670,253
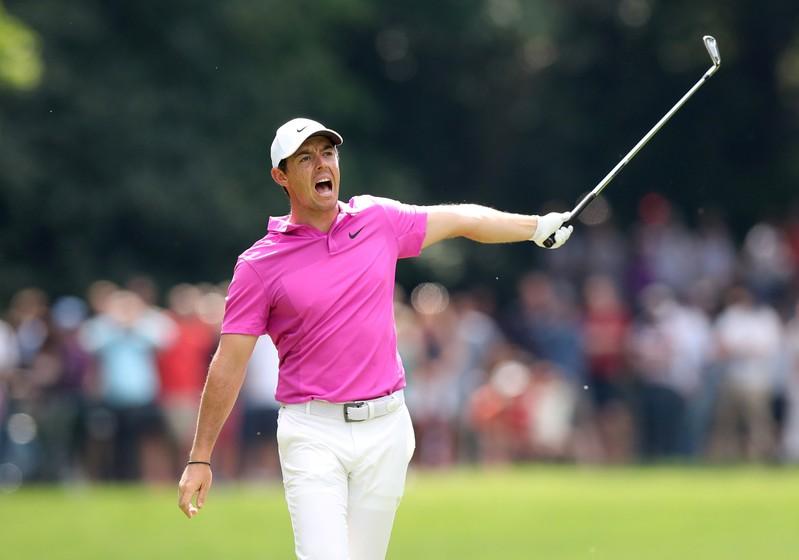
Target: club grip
x,y
587,199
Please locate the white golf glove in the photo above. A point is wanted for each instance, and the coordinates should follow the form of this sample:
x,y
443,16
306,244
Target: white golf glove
x,y
549,224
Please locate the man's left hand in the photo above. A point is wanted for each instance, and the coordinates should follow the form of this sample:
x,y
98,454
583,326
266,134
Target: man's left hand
x,y
549,224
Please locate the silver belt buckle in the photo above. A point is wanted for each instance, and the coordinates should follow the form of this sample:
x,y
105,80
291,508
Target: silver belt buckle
x,y
348,406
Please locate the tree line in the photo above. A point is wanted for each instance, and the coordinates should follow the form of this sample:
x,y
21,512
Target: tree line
x,y
134,136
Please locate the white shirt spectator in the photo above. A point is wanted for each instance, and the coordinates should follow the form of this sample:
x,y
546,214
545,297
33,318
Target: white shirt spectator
x,y
262,371
750,337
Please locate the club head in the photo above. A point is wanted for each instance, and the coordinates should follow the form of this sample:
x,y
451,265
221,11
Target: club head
x,y
712,49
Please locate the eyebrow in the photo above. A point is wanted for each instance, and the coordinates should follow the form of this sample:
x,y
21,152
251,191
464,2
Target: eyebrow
x,y
306,151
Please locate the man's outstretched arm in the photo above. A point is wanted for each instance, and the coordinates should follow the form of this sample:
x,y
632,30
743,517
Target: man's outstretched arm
x,y
225,376
486,225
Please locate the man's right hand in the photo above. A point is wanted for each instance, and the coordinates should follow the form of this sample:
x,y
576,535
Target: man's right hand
x,y
196,481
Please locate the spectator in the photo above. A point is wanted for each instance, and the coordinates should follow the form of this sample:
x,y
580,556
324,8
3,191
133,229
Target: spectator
x,y
792,237
9,358
28,317
9,361
553,411
227,455
124,340
524,412
501,413
766,263
545,324
410,335
58,374
19,442
665,245
182,366
790,441
688,334
606,326
259,456
607,253
432,393
685,370
749,336
658,407
478,337
715,253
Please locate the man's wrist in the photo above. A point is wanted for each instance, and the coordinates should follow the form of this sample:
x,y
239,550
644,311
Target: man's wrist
x,y
535,228
199,456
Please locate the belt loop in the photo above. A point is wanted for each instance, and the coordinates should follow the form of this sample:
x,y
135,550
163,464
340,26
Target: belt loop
x,y
371,406
308,407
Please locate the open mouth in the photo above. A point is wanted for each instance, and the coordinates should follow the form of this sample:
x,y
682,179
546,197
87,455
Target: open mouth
x,y
324,187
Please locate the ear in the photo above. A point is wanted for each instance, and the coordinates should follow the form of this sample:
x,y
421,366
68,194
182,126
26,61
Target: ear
x,y
279,177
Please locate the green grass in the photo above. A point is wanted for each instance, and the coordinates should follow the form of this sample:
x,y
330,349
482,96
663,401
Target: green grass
x,y
541,513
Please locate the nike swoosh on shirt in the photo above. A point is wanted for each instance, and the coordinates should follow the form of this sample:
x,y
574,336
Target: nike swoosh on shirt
x,y
354,235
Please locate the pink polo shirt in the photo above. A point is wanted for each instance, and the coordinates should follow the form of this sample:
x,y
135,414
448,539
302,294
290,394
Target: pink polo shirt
x,y
327,299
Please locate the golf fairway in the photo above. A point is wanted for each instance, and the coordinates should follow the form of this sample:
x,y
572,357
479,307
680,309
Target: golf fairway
x,y
521,513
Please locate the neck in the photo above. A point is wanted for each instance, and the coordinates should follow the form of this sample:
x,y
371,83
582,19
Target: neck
x,y
321,220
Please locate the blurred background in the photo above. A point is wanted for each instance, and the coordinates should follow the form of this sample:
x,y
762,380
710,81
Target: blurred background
x,y
134,169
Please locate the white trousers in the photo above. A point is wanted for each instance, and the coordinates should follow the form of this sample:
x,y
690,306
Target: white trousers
x,y
343,481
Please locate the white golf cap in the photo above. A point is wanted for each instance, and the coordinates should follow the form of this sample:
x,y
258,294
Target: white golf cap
x,y
291,135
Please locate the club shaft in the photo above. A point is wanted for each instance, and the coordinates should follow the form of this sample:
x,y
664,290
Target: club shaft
x,y
641,143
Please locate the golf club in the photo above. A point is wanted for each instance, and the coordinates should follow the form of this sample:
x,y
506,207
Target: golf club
x,y
713,50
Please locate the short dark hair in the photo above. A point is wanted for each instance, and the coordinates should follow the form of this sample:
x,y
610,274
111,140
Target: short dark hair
x,y
283,165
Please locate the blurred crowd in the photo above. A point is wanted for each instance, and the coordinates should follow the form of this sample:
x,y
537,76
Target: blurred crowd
x,y
667,342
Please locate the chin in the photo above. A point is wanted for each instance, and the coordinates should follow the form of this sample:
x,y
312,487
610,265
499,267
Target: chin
x,y
329,204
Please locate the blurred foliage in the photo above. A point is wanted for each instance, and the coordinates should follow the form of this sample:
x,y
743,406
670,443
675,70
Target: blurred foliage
x,y
144,147
19,54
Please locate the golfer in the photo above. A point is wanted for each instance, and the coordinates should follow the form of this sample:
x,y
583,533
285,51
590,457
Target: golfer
x,y
321,284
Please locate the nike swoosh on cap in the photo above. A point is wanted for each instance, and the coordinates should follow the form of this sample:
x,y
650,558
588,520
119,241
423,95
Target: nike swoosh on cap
x,y
303,128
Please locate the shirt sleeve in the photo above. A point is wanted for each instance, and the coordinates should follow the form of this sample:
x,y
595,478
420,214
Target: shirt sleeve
x,y
409,224
246,305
